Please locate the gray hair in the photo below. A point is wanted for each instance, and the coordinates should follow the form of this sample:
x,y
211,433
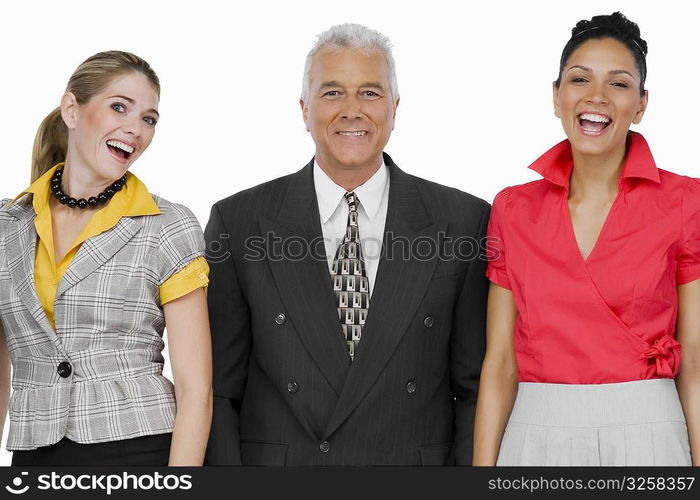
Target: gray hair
x,y
353,36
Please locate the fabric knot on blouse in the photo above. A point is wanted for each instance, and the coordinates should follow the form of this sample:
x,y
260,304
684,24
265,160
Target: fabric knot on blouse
x,y
666,351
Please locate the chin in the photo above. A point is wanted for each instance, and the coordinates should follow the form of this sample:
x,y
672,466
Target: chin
x,y
354,160
586,148
594,147
112,172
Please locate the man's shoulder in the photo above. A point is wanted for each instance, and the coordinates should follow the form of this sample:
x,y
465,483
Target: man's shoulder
x,y
257,198
449,200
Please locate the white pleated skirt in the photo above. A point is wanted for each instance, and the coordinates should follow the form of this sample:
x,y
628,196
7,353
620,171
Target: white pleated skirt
x,y
627,423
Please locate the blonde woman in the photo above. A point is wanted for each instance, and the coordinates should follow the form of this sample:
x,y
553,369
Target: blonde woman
x,y
92,268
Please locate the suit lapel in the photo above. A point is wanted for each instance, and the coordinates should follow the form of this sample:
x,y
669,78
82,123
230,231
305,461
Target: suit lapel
x,y
21,254
95,251
398,291
304,283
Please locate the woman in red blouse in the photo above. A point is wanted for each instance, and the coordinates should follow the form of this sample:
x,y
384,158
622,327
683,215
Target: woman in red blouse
x,y
595,273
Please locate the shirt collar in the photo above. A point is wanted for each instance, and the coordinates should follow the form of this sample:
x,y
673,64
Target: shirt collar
x,y
330,195
131,201
556,164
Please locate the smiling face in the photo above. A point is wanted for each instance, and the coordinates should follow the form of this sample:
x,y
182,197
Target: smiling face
x,y
350,110
110,131
599,98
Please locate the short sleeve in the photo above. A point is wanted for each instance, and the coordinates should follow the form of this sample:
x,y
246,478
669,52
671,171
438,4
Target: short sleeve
x,y
194,275
495,243
689,260
180,242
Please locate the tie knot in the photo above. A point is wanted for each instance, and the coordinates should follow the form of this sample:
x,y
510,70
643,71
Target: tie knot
x,y
352,201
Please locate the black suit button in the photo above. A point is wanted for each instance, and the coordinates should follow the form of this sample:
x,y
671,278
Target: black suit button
x,y
280,318
411,387
428,321
325,447
292,387
64,369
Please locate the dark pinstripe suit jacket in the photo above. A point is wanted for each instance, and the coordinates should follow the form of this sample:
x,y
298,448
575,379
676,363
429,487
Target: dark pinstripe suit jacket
x,y
286,392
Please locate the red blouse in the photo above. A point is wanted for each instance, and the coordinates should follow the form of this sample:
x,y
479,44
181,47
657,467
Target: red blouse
x,y
611,317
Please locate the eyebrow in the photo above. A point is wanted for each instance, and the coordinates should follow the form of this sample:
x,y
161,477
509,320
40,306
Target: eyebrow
x,y
611,72
131,101
373,85
335,83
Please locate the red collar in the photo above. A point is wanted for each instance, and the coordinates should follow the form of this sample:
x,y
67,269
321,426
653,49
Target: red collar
x,y
556,164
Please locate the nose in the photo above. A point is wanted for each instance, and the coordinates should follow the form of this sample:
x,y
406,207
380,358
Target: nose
x,y
351,107
598,93
133,125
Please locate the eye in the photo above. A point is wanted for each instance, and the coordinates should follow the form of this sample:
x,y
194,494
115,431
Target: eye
x,y
622,85
150,120
578,79
370,94
118,107
331,93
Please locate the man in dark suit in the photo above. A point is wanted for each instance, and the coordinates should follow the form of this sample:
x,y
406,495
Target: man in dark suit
x,y
347,301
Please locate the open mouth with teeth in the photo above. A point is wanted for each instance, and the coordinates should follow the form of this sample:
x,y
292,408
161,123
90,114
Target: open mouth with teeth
x,y
593,123
352,133
120,149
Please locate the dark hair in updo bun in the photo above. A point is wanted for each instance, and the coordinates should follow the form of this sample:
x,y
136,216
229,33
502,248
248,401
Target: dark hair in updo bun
x,y
615,26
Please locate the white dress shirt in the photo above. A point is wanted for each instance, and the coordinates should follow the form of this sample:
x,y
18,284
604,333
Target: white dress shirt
x,y
373,198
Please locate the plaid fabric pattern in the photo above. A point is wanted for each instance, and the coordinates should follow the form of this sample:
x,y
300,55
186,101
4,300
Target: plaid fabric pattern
x,y
109,327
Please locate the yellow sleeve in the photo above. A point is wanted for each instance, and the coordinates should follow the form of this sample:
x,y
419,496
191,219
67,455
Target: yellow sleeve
x,y
194,275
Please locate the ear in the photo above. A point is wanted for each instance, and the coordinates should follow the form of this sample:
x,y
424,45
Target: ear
x,y
304,113
642,108
555,99
69,110
393,118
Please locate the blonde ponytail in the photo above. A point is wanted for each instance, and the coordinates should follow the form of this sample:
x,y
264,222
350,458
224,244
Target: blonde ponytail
x,y
50,144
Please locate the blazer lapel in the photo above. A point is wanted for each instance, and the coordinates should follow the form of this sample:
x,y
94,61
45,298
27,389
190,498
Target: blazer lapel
x,y
21,253
95,251
399,289
304,283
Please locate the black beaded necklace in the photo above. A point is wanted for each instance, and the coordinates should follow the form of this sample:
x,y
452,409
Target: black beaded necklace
x,y
93,201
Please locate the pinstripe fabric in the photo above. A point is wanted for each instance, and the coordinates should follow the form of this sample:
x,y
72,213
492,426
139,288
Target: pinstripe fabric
x,y
109,327
285,390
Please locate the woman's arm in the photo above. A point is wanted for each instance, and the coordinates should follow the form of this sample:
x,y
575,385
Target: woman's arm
x,y
499,382
189,344
5,381
688,379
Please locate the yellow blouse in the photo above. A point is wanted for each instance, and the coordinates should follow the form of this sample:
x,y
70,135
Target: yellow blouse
x,y
131,201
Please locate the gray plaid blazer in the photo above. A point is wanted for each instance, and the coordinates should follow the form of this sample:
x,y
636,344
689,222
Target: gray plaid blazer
x,y
109,326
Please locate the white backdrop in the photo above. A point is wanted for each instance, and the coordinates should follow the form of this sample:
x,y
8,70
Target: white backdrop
x,y
475,84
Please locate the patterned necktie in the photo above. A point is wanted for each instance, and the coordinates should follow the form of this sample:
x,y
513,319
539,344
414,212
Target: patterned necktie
x,y
350,282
